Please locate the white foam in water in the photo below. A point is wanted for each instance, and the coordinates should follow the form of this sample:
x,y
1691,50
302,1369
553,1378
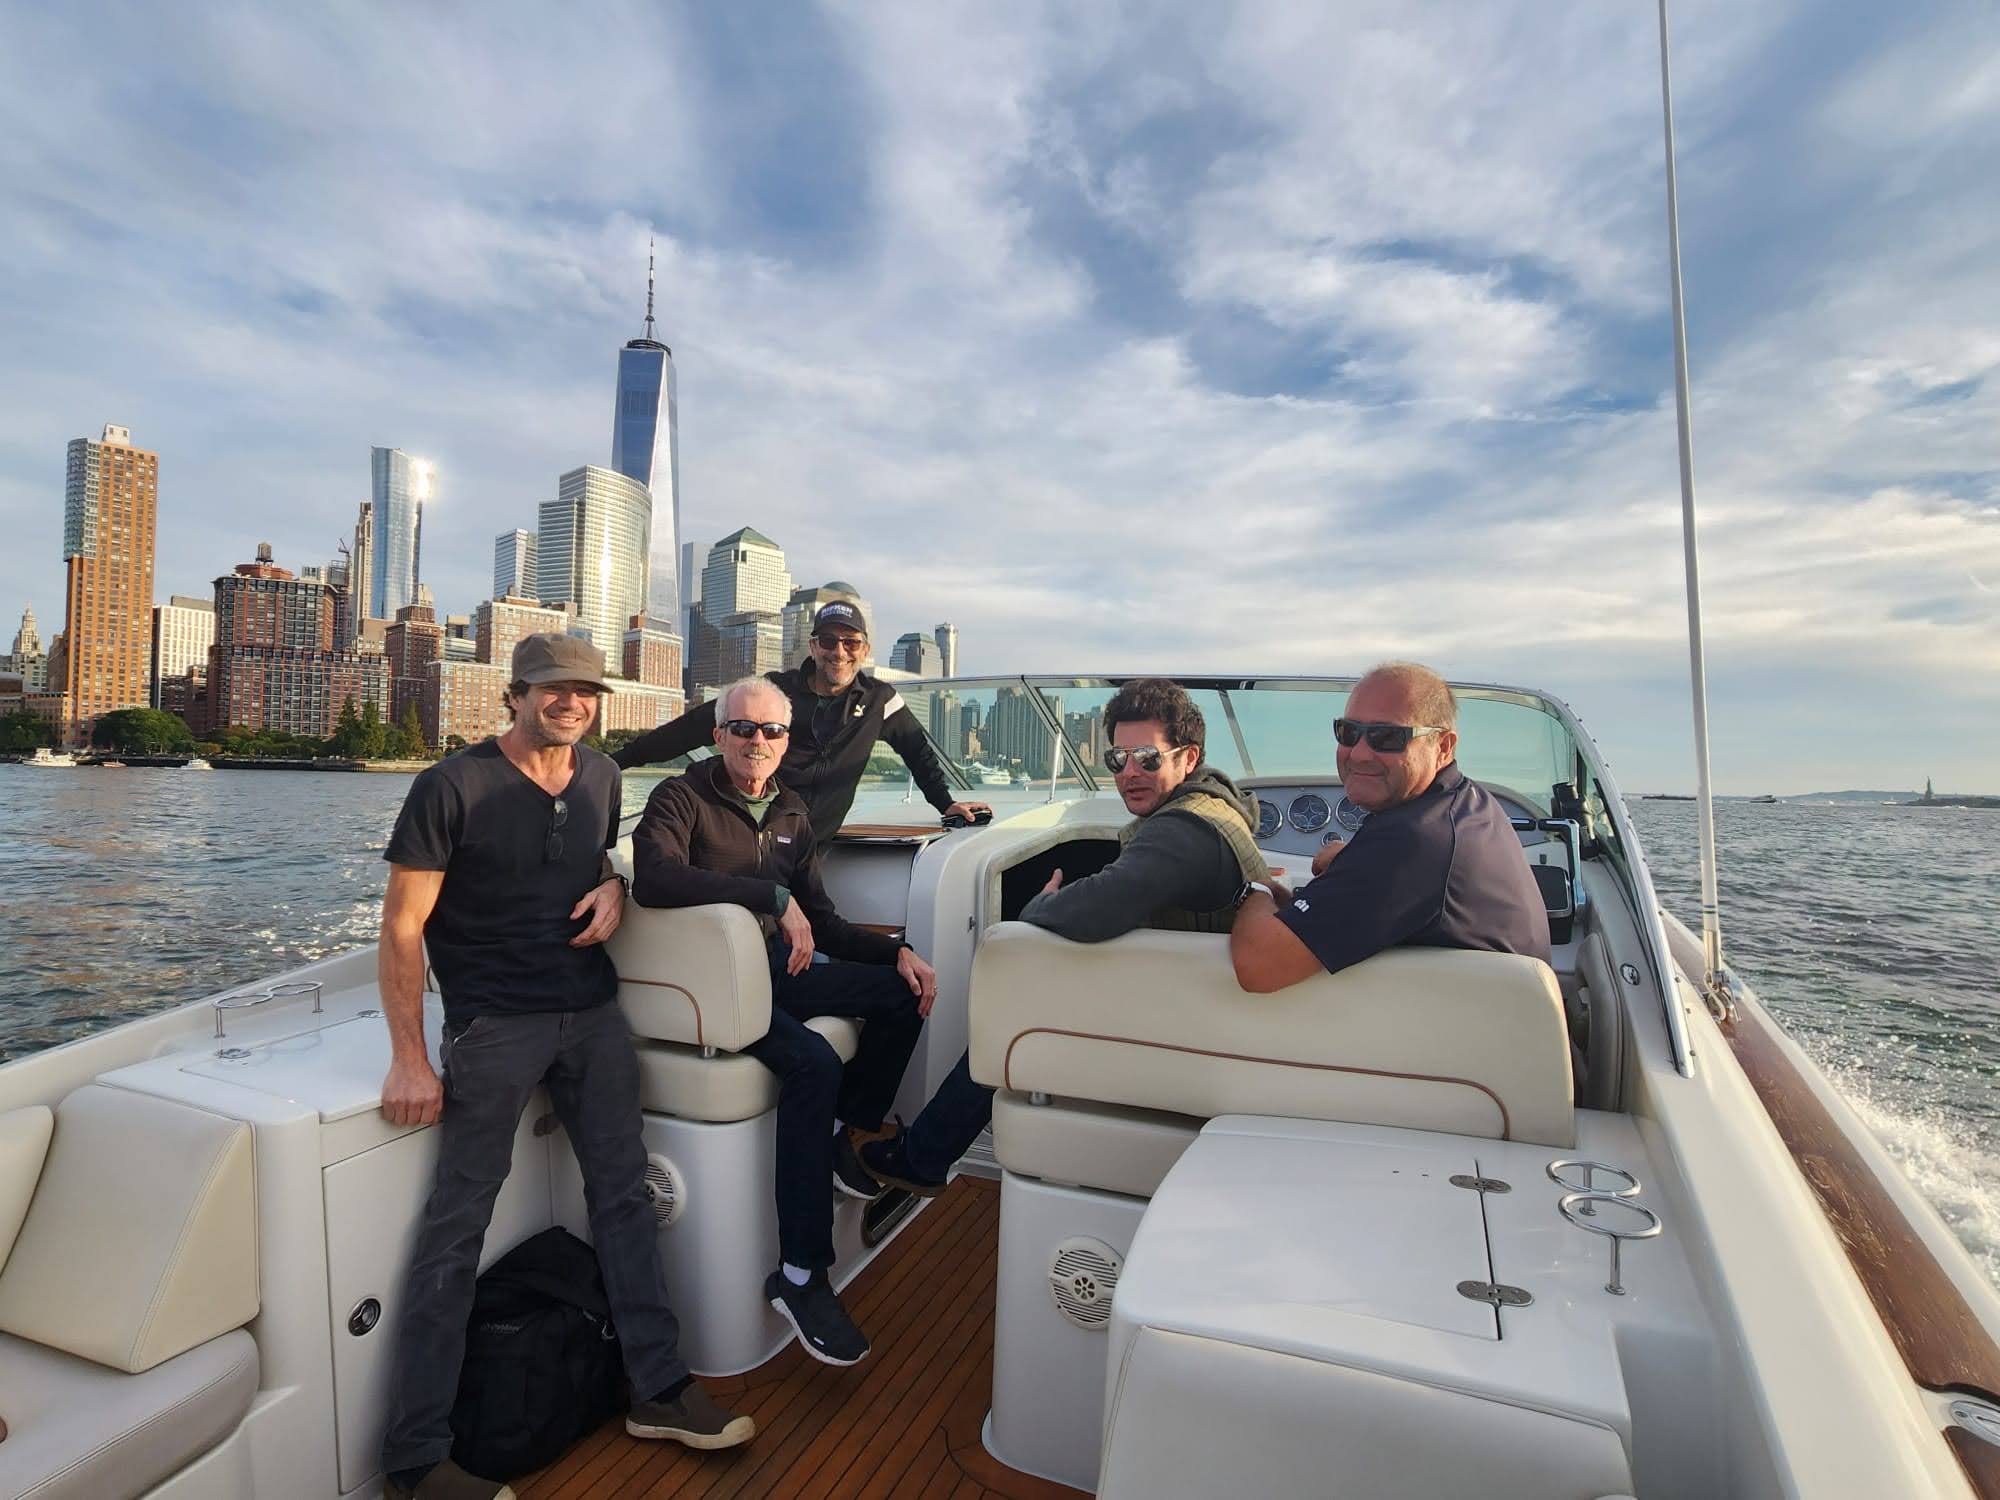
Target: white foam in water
x,y
1961,1181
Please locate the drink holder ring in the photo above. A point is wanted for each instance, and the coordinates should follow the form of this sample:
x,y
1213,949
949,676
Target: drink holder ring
x,y
1575,1207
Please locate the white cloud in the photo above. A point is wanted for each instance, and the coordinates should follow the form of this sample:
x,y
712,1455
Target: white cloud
x,y
274,241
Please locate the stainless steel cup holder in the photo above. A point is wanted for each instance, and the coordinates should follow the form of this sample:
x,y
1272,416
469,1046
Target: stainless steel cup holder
x,y
248,999
1564,1173
1581,1210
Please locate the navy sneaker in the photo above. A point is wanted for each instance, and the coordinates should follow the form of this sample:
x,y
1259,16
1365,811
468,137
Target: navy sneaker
x,y
817,1317
886,1162
849,1176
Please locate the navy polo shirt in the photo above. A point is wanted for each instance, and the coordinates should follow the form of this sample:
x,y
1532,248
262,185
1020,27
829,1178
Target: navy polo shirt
x,y
1443,870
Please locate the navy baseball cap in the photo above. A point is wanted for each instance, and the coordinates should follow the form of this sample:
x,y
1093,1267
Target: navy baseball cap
x,y
842,614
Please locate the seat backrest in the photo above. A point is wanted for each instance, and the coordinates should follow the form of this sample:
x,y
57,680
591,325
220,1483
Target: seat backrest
x,y
141,1241
24,1145
1428,1038
698,975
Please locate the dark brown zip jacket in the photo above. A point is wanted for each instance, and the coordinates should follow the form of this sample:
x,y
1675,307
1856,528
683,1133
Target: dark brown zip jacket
x,y
698,845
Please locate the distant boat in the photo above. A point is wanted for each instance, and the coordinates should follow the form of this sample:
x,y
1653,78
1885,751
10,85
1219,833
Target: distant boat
x,y
1767,797
44,756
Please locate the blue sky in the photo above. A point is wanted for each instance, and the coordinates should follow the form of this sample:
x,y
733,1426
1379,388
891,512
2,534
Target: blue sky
x,y
1198,337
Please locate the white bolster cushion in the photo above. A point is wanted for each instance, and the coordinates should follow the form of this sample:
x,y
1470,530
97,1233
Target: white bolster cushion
x,y
1425,1038
24,1144
697,975
142,1239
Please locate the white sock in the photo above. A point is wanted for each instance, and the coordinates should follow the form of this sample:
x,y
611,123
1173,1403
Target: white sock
x,y
838,1126
796,1276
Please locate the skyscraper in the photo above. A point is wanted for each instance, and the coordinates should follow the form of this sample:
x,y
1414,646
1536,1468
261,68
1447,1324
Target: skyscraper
x,y
110,510
514,575
918,653
745,575
28,658
273,664
946,637
645,446
689,579
592,551
402,487
361,571
183,630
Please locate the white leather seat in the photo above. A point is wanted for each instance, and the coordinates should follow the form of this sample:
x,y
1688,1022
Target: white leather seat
x,y
695,985
1426,1038
122,1305
80,1431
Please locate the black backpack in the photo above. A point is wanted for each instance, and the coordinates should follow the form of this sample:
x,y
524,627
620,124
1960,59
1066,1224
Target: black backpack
x,y
542,1366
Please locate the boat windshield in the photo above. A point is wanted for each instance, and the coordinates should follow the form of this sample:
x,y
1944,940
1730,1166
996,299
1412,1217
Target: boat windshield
x,y
1027,732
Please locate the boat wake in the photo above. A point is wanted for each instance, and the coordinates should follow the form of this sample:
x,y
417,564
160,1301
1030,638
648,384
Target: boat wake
x,y
1961,1179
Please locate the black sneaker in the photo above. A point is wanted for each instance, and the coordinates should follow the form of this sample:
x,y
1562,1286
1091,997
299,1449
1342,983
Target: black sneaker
x,y
444,1481
693,1418
849,1176
815,1313
886,1162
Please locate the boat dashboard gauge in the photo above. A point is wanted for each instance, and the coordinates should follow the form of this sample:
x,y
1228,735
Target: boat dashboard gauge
x,y
1309,813
1349,816
1268,818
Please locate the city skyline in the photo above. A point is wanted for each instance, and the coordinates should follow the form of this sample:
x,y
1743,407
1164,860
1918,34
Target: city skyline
x,y
1348,327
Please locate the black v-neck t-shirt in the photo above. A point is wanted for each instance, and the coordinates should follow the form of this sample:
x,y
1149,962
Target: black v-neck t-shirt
x,y
499,935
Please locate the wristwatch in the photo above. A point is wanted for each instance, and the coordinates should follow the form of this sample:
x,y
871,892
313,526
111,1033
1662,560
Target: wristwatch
x,y
1253,885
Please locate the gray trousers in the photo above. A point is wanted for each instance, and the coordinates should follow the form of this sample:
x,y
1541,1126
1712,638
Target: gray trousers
x,y
491,1065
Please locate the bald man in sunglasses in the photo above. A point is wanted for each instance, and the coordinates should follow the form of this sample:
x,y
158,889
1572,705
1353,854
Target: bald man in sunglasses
x,y
1437,864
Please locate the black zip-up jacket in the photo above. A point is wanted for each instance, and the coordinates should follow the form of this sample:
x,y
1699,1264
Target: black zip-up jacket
x,y
698,845
824,772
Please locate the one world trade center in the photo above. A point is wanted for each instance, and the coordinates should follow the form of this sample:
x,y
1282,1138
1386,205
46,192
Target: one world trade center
x,y
646,446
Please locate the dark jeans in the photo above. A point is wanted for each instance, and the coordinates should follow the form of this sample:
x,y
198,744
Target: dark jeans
x,y
949,1124
490,1067
814,1089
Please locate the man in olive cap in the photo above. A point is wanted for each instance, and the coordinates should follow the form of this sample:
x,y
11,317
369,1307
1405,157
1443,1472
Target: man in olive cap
x,y
499,867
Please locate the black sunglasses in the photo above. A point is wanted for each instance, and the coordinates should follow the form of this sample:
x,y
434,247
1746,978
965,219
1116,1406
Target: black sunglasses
x,y
552,846
1148,758
749,729
1385,739
854,645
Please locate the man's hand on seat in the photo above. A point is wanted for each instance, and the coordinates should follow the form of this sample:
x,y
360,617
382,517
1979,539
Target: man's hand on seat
x,y
968,810
920,977
1055,883
796,931
412,1093
1324,856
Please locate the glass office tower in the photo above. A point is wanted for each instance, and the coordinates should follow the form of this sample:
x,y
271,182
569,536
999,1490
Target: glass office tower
x,y
402,487
591,552
645,445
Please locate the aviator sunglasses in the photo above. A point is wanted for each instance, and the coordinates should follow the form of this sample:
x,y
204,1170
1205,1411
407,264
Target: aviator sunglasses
x,y
1148,758
1384,739
552,846
749,729
853,645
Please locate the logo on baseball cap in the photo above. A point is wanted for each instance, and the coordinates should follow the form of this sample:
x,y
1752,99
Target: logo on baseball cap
x,y
558,658
842,614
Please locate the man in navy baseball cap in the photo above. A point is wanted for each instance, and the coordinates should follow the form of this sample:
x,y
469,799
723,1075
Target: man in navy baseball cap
x,y
838,713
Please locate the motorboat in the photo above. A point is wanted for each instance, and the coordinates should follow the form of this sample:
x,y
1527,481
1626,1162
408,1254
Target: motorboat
x,y
1444,1223
44,756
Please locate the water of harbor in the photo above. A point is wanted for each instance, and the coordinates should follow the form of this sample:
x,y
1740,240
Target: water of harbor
x,y
1873,932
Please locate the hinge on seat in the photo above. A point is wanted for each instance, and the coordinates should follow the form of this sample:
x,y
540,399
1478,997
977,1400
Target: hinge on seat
x,y
1480,1184
1497,1293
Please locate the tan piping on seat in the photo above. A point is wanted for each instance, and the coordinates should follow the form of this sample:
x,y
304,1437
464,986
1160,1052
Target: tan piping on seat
x,y
1007,1065
662,984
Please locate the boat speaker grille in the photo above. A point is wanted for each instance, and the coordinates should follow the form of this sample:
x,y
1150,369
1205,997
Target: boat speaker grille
x,y
1082,1277
666,1188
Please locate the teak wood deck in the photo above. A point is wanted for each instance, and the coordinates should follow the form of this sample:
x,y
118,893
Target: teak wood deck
x,y
902,1425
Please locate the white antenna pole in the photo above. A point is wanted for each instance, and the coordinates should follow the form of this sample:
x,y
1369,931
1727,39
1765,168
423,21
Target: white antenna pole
x,y
1711,916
